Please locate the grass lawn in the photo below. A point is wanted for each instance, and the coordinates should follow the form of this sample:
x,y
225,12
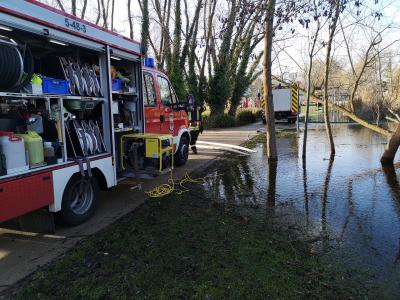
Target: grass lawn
x,y
189,246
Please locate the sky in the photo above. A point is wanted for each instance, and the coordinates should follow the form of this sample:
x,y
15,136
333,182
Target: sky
x,y
293,58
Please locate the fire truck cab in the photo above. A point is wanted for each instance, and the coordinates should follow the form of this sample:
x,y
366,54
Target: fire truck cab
x,y
164,113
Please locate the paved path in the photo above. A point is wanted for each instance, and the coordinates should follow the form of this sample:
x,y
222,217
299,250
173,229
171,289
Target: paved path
x,y
21,253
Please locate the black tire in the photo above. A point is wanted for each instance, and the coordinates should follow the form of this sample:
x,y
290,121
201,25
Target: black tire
x,y
182,154
75,208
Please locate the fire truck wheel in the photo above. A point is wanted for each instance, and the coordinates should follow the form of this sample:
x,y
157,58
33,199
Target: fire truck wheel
x,y
181,156
79,200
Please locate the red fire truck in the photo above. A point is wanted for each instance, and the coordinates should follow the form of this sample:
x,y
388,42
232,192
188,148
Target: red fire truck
x,y
78,113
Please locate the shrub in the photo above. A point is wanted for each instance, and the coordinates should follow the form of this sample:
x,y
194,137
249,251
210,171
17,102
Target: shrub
x,y
218,121
245,117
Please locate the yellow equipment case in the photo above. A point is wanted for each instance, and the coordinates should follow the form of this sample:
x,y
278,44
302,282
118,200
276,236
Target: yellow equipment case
x,y
148,154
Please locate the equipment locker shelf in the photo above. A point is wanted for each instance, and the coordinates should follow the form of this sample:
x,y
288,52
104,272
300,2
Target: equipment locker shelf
x,y
48,97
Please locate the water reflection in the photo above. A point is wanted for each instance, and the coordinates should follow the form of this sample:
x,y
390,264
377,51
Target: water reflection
x,y
305,187
351,204
392,181
271,191
324,229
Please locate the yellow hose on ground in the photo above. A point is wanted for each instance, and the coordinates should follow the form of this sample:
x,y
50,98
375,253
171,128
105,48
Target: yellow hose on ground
x,y
170,187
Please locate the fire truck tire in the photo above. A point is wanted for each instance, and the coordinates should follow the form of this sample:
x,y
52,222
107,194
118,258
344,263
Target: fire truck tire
x,y
80,200
182,154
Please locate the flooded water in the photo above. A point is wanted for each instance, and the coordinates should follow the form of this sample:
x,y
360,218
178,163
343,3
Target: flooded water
x,y
352,204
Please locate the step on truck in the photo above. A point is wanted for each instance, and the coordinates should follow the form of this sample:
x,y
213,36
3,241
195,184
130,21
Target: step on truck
x,y
78,113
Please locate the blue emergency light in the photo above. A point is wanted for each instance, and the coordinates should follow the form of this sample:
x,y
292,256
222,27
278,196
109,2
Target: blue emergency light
x,y
149,62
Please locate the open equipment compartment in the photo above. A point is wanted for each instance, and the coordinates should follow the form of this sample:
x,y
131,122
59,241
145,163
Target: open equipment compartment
x,y
127,100
57,107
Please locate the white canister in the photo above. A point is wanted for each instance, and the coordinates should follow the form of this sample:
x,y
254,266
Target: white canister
x,y
13,149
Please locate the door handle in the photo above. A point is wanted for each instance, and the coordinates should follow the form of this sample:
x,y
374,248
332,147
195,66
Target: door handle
x,y
46,178
162,118
1,189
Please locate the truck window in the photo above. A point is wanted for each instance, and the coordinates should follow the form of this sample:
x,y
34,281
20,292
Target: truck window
x,y
149,94
166,94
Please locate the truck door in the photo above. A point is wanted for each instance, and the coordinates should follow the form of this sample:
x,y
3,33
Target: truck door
x,y
152,108
168,99
174,119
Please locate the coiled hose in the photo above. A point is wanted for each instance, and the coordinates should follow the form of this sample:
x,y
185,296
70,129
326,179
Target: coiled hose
x,y
172,186
16,69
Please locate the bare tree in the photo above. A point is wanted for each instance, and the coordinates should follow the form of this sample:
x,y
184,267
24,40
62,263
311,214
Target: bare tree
x,y
368,57
365,64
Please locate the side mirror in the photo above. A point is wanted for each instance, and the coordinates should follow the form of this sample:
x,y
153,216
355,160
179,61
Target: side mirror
x,y
179,106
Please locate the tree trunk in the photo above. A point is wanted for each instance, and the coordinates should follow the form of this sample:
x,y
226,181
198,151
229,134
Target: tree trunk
x,y
84,9
311,56
326,115
61,5
355,118
307,108
391,148
98,12
112,14
130,20
326,83
73,7
105,17
145,24
352,96
267,83
355,87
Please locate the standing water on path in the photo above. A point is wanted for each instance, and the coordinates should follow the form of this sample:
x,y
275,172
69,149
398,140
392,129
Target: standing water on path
x,y
352,205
